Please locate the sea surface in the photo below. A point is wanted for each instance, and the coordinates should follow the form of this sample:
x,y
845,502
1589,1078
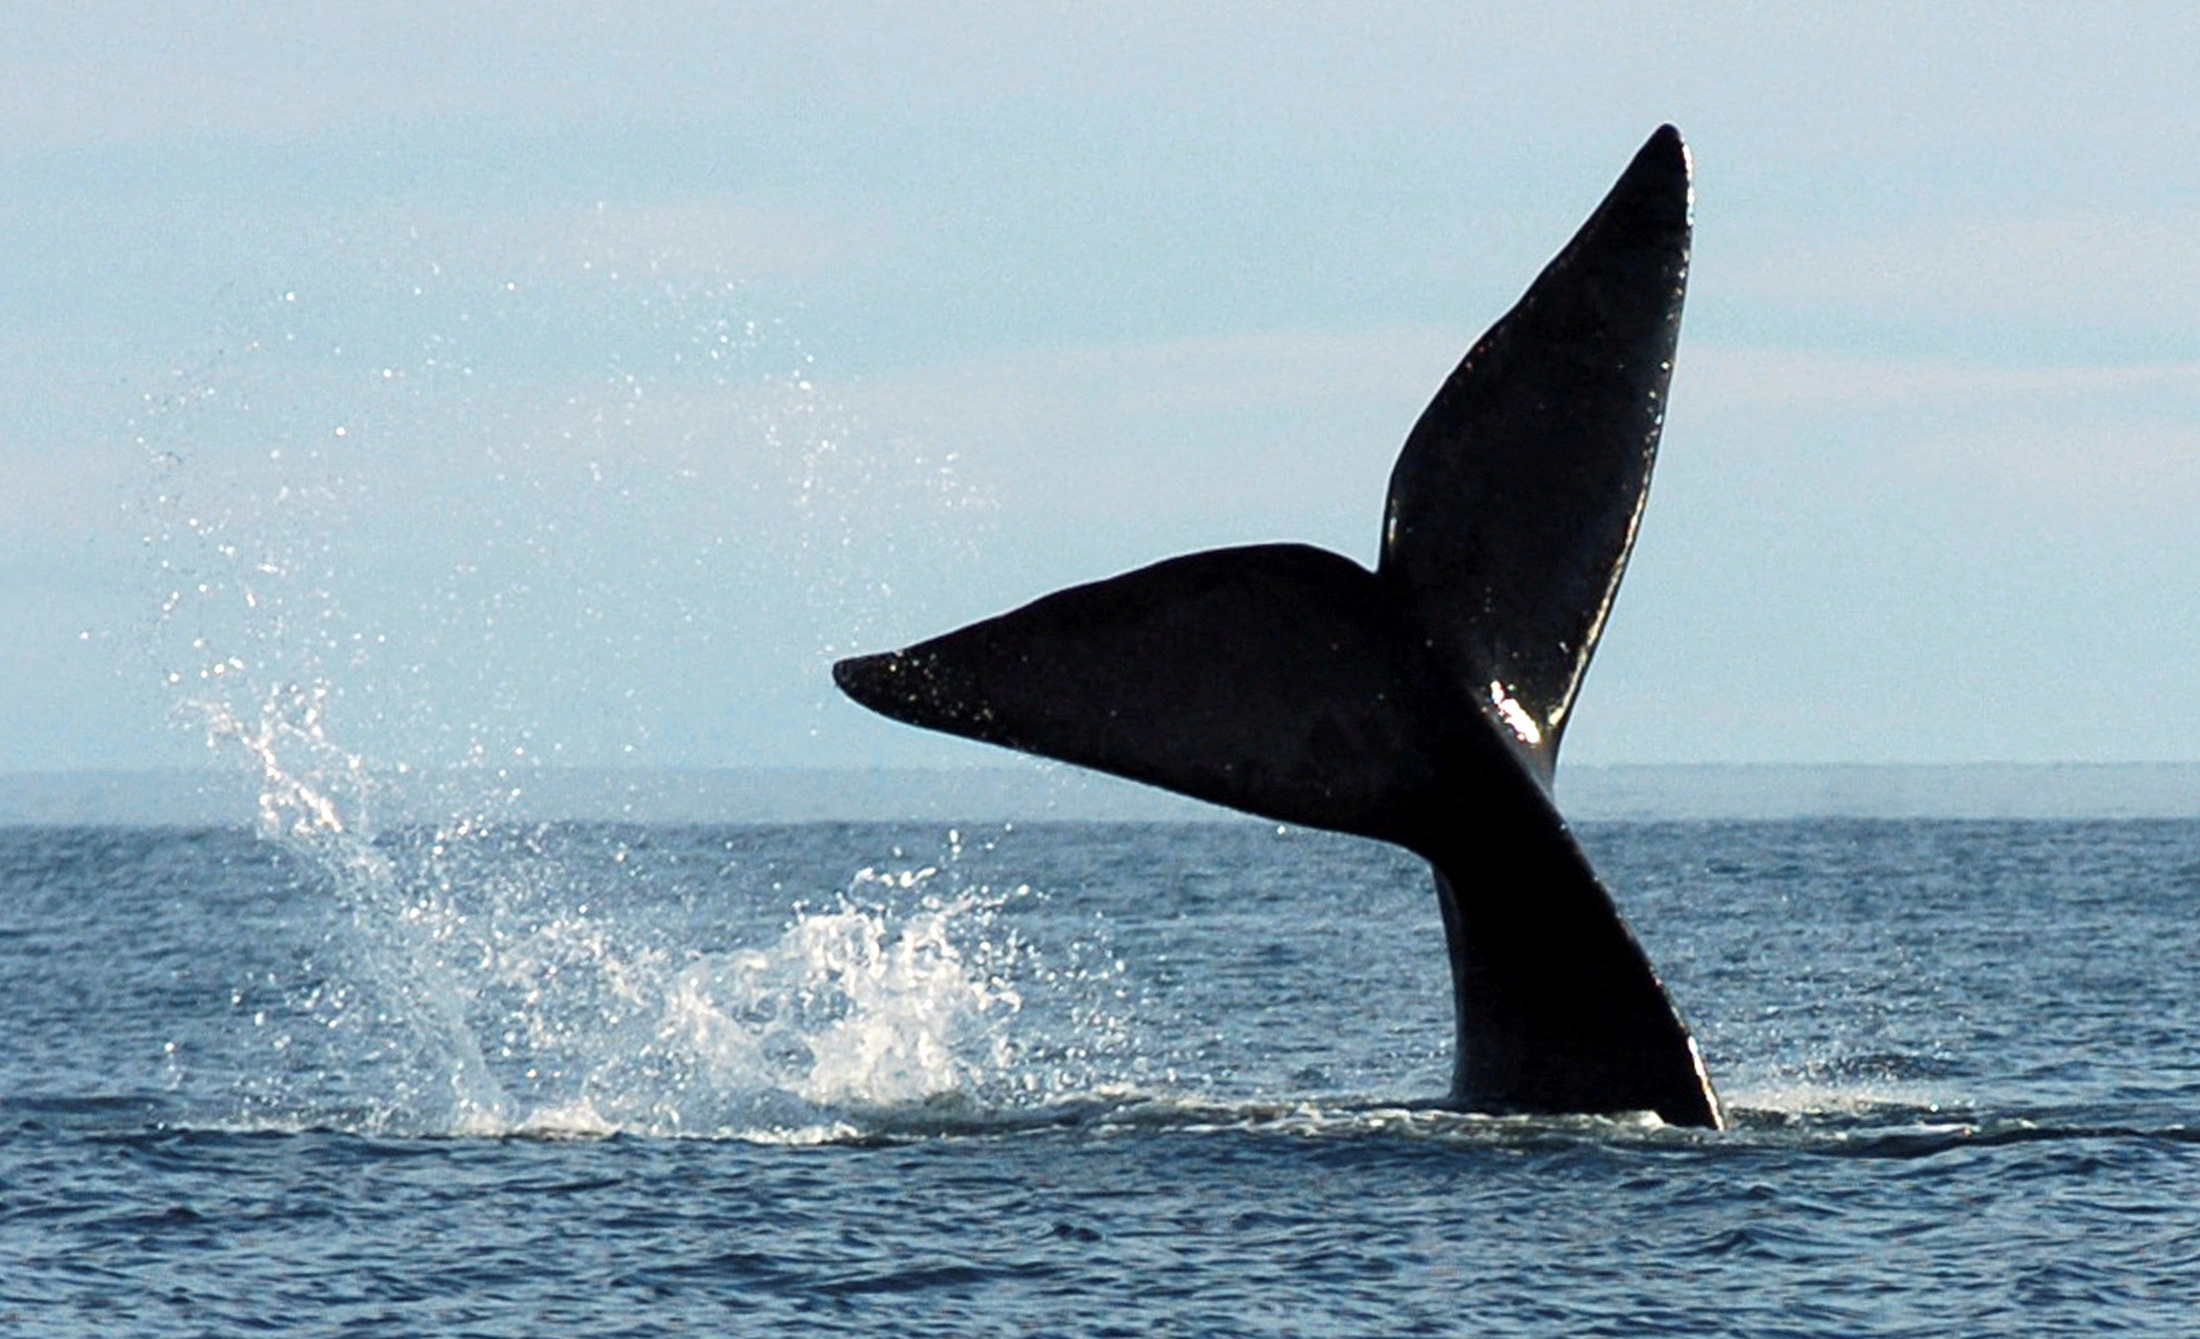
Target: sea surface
x,y
1077,1078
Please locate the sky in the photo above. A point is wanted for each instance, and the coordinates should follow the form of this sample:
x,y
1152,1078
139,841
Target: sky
x,y
569,384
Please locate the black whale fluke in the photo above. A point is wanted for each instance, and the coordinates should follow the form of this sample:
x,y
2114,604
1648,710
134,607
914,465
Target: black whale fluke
x,y
1421,703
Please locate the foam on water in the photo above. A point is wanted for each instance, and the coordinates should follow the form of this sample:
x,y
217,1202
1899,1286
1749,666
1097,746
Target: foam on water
x,y
1795,1097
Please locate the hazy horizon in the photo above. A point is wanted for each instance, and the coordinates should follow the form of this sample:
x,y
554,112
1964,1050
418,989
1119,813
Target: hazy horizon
x,y
1035,792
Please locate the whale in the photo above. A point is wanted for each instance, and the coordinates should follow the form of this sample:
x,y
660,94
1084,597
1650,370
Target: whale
x,y
1421,703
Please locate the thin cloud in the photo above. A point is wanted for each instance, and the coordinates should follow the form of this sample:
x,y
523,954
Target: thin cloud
x,y
2094,441
1760,377
2121,272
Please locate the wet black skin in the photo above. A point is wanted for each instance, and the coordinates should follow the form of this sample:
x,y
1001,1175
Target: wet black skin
x,y
1422,703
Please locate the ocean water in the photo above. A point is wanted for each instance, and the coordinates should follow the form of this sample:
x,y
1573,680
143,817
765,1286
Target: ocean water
x,y
1072,1078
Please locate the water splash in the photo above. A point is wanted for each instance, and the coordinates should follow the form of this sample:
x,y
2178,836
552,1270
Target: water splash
x,y
498,513
562,979
552,991
497,978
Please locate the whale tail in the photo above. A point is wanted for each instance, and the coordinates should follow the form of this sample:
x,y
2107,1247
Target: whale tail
x,y
1421,703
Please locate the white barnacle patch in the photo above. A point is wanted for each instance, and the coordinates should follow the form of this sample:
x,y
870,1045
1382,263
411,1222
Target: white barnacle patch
x,y
1515,715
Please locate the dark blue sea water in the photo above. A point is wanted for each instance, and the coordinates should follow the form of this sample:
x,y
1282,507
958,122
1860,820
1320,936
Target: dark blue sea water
x,y
1073,1079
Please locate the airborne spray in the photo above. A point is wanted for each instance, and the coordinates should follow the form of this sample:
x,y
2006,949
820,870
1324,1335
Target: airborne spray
x,y
417,546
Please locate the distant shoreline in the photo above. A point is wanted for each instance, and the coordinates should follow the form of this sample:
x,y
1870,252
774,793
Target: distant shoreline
x,y
1036,793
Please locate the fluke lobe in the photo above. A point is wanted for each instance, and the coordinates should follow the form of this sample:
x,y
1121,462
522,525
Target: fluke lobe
x,y
1421,703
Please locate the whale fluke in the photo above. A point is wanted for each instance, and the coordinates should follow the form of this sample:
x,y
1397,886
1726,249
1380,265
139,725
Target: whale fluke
x,y
1421,703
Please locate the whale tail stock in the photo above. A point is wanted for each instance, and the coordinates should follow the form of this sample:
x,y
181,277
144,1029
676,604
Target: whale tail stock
x,y
1422,703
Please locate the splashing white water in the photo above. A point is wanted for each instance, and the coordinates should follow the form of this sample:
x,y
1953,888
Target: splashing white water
x,y
852,1006
497,978
368,543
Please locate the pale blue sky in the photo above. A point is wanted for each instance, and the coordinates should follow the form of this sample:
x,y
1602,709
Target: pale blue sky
x,y
577,381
